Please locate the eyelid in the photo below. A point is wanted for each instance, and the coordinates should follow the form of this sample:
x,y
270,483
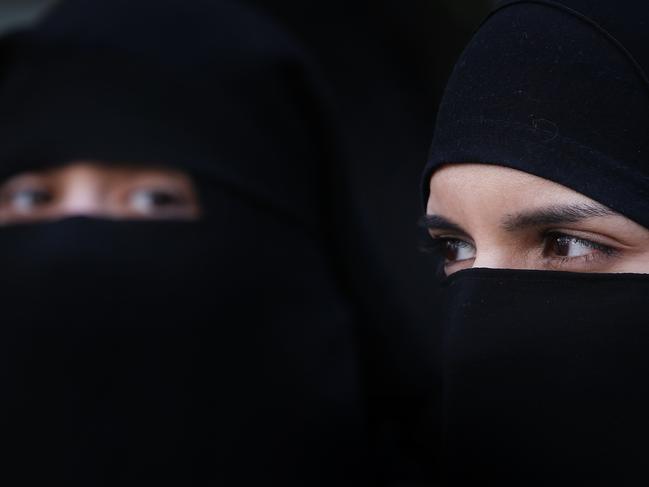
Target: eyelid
x,y
179,193
598,236
139,199
437,234
23,182
595,240
10,189
124,195
437,241
598,252
452,238
436,245
565,263
170,184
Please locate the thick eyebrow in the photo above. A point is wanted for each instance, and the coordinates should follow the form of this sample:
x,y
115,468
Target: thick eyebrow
x,y
436,222
554,215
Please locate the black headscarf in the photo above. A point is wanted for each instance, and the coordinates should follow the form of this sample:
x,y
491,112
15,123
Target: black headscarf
x,y
556,89
218,352
545,372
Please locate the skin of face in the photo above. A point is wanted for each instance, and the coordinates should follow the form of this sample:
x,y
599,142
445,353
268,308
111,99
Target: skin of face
x,y
93,189
481,215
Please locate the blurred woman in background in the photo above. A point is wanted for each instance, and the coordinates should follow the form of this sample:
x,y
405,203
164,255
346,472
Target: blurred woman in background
x,y
200,283
172,310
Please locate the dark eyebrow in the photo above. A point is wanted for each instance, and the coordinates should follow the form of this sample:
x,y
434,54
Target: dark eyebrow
x,y
436,222
554,215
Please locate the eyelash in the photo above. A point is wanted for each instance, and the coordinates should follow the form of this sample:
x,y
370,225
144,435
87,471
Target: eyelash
x,y
602,251
439,245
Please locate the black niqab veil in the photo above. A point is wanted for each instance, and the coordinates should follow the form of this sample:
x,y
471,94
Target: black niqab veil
x,y
219,352
545,373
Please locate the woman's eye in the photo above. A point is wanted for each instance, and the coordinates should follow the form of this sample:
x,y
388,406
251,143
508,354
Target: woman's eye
x,y
456,250
568,247
148,201
26,200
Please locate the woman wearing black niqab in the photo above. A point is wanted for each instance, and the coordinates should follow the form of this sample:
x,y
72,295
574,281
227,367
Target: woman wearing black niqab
x,y
545,372
211,352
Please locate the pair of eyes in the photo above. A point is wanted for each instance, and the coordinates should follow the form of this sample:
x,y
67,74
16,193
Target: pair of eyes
x,y
145,201
558,248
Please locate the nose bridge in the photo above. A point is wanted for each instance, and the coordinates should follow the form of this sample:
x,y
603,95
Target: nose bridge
x,y
82,195
496,257
489,261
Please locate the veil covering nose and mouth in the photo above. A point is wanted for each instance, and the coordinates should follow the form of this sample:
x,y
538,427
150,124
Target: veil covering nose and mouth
x,y
220,351
545,373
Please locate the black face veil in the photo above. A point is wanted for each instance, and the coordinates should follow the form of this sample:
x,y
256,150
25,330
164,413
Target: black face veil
x,y
545,374
218,352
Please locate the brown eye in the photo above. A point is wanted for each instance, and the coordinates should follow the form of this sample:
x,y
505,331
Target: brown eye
x,y
28,199
456,250
559,245
153,201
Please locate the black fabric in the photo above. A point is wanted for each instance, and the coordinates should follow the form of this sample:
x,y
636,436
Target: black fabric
x,y
554,93
386,64
265,345
156,354
545,379
219,352
544,373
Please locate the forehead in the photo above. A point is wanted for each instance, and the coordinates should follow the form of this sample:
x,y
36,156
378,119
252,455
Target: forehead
x,y
484,186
